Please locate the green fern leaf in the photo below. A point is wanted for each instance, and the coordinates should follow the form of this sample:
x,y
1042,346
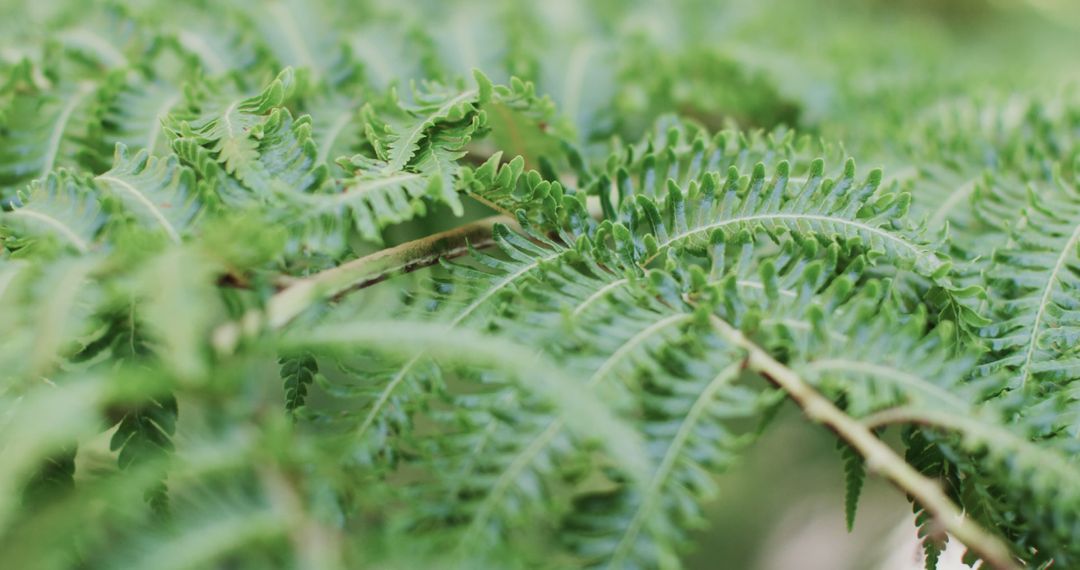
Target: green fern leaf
x,y
854,476
298,372
836,209
928,460
286,166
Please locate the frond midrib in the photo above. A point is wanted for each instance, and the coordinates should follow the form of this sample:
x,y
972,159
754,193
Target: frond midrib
x,y
56,136
405,146
80,244
919,252
1044,301
667,464
154,211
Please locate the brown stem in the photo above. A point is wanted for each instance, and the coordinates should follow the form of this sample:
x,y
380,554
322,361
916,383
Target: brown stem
x,y
357,274
893,416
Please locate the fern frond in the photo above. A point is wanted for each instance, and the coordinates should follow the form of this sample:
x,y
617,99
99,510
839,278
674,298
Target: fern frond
x,y
396,130
367,202
1034,277
218,49
524,123
49,306
286,168
416,152
47,130
823,208
837,209
544,379
158,193
298,372
374,197
666,213
299,36
1017,133
854,477
60,206
681,152
930,461
229,127
336,127
684,152
640,337
145,434
136,114
689,425
509,188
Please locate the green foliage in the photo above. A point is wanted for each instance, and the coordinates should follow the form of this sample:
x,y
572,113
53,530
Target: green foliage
x,y
209,359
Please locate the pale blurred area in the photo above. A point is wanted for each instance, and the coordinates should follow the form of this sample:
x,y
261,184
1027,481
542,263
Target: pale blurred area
x,y
808,538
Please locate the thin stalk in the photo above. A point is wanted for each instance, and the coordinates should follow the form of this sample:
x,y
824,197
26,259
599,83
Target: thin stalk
x,y
362,272
880,458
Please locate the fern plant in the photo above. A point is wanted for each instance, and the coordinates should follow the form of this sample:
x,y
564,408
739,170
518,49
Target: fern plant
x,y
467,286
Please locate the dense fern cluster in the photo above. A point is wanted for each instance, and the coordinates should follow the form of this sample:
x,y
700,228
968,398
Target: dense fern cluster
x,y
237,333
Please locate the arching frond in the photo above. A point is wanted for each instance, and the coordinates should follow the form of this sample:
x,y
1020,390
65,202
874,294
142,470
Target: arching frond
x,y
834,209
